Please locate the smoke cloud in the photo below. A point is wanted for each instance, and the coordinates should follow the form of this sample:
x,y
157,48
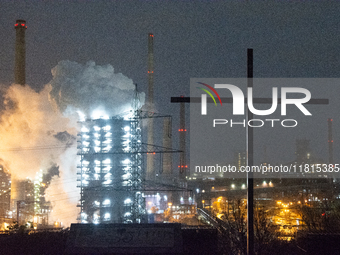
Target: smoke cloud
x,y
95,90
38,129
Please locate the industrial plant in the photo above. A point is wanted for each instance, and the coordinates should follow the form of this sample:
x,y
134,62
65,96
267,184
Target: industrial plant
x,y
111,171
133,178
121,178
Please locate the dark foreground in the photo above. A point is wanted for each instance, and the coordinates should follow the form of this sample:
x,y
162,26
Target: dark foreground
x,y
195,241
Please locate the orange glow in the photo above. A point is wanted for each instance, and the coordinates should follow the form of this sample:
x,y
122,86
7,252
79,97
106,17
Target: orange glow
x,y
20,124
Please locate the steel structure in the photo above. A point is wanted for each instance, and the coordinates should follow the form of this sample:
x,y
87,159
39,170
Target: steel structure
x,y
150,172
20,52
110,173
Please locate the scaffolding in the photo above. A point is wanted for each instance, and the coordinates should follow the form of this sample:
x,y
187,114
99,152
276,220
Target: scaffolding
x,y
110,174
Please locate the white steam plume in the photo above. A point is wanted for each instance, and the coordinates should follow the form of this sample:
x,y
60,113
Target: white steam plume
x,y
91,88
37,129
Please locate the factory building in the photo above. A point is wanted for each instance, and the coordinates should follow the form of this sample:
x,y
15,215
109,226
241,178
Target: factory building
x,y
5,192
110,172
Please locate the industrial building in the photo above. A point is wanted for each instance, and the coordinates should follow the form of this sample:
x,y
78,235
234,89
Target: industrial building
x,y
5,193
110,172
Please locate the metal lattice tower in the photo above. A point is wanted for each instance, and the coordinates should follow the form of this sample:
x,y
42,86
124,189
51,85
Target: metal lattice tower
x,y
110,173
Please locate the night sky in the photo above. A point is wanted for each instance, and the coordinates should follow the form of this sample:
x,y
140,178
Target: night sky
x,y
201,39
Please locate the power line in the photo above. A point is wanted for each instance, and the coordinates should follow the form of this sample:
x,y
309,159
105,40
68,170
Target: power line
x,y
65,146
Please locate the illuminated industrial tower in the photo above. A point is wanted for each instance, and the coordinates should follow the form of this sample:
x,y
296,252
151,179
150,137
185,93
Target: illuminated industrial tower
x,y
110,171
20,53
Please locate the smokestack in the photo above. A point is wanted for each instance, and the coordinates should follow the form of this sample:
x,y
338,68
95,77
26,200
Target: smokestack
x,y
182,132
150,157
330,140
167,143
20,53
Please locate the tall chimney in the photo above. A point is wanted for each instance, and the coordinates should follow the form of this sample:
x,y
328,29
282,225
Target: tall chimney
x,y
20,53
150,174
330,140
182,131
167,143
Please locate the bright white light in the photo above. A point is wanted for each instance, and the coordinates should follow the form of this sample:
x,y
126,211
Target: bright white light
x,y
165,198
85,162
97,149
107,182
107,128
99,114
84,129
107,161
127,214
127,128
96,135
97,162
86,143
81,115
97,142
127,201
108,134
107,148
83,215
126,176
126,161
96,176
243,186
106,202
96,203
129,115
107,216
107,176
233,186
